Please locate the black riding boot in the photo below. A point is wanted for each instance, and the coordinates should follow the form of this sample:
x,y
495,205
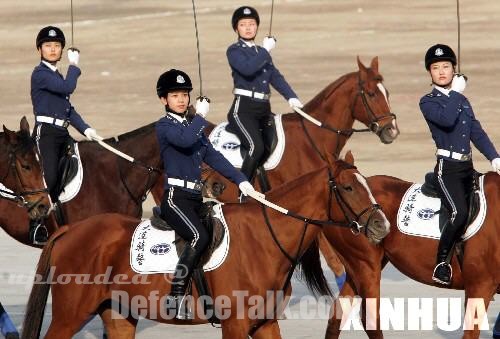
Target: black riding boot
x,y
442,272
182,275
38,232
248,168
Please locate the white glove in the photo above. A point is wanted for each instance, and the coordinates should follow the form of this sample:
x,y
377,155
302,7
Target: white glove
x,y
91,134
495,163
202,106
73,56
246,188
458,83
294,102
269,43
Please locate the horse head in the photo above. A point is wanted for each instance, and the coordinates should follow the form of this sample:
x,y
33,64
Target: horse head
x,y
372,103
353,201
24,172
358,96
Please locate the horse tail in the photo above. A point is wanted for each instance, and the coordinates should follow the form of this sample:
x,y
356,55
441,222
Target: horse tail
x,y
32,324
312,273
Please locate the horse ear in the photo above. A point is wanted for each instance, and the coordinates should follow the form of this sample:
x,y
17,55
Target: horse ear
x,y
9,136
360,65
25,126
349,158
374,64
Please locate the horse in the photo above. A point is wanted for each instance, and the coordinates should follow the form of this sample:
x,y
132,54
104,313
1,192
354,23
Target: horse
x,y
354,96
340,194
110,183
29,192
415,256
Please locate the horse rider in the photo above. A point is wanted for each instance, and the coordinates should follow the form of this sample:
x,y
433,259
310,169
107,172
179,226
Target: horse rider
x,y
50,93
183,147
253,70
453,126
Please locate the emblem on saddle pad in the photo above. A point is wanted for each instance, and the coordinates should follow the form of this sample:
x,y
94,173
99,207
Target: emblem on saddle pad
x,y
230,146
426,213
160,249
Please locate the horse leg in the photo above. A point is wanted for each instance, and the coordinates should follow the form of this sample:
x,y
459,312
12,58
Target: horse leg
x,y
118,327
369,288
478,292
332,259
270,330
334,323
233,328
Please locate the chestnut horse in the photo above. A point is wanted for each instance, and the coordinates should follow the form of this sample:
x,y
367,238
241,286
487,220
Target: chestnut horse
x,y
415,256
258,237
110,184
355,96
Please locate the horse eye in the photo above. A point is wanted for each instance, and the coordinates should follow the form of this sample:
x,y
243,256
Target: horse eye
x,y
371,94
347,188
26,167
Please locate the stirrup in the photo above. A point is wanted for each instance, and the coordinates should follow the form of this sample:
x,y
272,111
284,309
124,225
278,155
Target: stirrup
x,y
181,305
39,231
436,279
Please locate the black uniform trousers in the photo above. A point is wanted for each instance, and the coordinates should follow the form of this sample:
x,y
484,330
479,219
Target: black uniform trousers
x,y
181,210
249,119
455,183
51,141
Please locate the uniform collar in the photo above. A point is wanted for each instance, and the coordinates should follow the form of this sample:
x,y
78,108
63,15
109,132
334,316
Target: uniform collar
x,y
248,43
177,117
443,90
49,65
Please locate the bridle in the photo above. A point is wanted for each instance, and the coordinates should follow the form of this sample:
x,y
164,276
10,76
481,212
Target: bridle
x,y
352,221
19,197
374,125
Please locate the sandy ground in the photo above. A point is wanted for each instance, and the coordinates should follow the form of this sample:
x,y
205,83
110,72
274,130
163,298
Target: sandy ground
x,y
126,45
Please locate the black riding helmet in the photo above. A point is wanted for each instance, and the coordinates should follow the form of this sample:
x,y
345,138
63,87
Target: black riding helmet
x,y
173,80
50,33
439,52
242,13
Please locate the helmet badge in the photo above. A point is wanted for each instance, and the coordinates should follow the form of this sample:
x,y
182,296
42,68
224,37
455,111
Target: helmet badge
x,y
247,11
52,33
180,79
438,52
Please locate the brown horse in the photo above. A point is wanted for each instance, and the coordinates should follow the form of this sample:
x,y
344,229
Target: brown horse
x,y
415,256
110,184
21,175
279,243
355,96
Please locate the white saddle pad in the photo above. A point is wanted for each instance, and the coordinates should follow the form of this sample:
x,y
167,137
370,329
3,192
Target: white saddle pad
x,y
153,251
6,191
417,214
73,187
229,144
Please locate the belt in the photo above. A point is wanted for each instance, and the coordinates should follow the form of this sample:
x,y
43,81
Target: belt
x,y
186,184
251,94
52,121
454,155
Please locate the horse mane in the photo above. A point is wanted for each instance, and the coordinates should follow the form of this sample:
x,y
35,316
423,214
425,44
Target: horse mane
x,y
328,90
129,135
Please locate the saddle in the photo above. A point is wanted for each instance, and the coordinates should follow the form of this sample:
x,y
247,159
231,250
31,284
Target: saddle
x,y
68,165
430,188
